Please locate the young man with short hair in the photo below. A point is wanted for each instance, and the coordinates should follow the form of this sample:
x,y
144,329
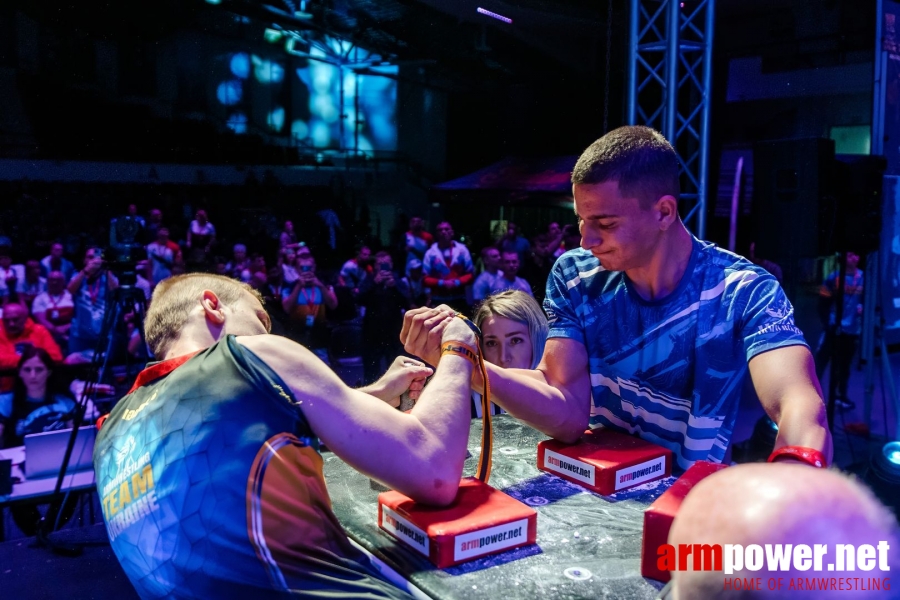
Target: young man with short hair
x,y
209,469
653,331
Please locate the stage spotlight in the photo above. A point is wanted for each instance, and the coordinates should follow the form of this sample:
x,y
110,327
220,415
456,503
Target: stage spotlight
x,y
214,1
883,475
494,15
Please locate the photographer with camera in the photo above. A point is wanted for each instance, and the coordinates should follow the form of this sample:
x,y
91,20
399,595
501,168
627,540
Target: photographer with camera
x,y
89,288
385,302
305,302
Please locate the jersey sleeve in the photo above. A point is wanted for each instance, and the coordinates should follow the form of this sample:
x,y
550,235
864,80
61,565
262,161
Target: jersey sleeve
x,y
560,303
767,319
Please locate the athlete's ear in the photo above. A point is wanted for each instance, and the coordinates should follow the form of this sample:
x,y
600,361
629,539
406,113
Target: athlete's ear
x,y
212,306
667,211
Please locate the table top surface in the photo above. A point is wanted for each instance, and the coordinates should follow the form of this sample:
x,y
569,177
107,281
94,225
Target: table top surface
x,y
30,489
588,546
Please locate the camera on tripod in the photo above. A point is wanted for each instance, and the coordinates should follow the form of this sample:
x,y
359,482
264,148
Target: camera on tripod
x,y
125,249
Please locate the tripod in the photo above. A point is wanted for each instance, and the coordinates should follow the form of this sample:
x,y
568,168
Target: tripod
x,y
125,299
873,335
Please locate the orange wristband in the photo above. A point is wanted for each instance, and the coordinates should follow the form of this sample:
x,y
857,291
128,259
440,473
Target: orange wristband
x,y
460,349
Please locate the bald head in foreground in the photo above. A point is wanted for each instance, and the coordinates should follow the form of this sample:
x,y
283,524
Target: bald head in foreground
x,y
783,503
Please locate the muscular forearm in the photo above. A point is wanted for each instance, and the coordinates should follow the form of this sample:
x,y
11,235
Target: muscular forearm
x,y
802,422
443,411
526,395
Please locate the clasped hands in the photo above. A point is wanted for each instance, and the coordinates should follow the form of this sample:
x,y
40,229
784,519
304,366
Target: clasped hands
x,y
424,330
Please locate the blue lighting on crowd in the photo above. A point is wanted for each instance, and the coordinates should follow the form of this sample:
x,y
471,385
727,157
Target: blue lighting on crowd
x,y
240,65
230,92
237,123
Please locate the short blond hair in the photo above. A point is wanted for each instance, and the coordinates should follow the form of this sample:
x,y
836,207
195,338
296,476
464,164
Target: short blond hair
x,y
175,297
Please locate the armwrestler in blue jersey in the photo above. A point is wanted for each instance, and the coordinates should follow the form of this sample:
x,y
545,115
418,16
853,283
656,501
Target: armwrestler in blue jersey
x,y
652,331
209,471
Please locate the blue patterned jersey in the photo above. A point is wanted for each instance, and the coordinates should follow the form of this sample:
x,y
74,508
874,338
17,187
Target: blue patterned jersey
x,y
671,370
211,486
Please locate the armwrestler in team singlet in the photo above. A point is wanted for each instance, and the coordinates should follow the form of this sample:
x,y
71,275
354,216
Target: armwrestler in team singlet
x,y
209,469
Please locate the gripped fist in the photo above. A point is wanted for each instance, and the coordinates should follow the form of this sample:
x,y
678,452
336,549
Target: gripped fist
x,y
458,331
423,330
404,375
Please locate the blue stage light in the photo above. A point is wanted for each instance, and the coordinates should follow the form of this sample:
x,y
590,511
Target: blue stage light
x,y
267,71
891,452
883,475
240,65
275,120
237,122
230,92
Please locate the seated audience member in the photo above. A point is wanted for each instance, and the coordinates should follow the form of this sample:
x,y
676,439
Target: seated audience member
x,y
133,213
154,224
490,258
239,265
513,241
19,333
514,330
90,288
55,261
33,284
289,273
142,278
509,280
220,266
448,269
201,239
162,253
413,285
33,406
305,302
571,240
418,241
287,237
385,304
780,503
266,404
54,309
39,402
356,270
12,277
546,244
257,265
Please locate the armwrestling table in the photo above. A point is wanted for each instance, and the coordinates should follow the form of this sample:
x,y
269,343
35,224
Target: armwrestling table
x,y
588,546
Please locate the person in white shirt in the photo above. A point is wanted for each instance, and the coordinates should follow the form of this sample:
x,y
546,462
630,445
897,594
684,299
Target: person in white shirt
x,y
509,280
55,308
163,254
12,277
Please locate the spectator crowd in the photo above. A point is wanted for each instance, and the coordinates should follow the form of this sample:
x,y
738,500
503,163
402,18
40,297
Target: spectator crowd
x,y
57,303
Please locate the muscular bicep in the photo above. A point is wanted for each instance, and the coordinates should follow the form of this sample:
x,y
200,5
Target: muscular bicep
x,y
782,374
556,397
565,367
